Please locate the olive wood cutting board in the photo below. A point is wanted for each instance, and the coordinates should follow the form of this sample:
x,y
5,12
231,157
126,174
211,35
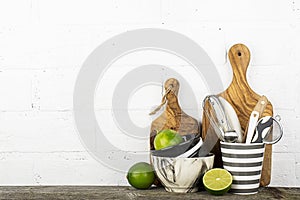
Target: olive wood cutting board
x,y
173,117
243,99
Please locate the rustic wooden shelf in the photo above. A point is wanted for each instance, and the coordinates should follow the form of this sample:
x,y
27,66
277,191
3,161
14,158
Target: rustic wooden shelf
x,y
110,192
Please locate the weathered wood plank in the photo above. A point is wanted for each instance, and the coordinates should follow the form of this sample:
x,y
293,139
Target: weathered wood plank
x,y
110,192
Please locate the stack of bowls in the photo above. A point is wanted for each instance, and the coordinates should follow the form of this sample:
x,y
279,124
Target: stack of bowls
x,y
179,173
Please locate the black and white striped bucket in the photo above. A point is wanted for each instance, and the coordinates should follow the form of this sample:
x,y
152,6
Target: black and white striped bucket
x,y
244,162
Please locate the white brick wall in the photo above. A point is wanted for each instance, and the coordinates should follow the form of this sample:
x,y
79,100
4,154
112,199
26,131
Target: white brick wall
x,y
44,43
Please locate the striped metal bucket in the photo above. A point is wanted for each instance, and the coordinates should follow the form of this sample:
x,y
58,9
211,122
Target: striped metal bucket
x,y
244,162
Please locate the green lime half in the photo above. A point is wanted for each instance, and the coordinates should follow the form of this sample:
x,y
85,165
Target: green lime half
x,y
141,175
217,181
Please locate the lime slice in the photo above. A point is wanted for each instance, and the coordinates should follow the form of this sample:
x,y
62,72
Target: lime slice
x,y
217,181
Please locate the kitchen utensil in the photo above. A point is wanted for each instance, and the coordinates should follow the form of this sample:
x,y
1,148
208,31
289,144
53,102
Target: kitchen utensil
x,y
243,99
210,113
255,115
181,175
212,136
251,126
232,118
268,130
189,141
218,119
173,117
208,144
229,134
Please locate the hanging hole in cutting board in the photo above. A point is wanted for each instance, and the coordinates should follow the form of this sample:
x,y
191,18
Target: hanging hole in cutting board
x,y
239,53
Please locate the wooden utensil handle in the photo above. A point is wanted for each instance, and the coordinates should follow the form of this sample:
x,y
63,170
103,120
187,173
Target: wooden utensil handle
x,y
261,105
260,108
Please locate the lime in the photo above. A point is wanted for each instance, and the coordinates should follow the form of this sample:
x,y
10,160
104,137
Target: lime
x,y
217,181
141,175
166,138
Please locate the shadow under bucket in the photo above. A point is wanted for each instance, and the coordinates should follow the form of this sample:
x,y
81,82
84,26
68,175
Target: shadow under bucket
x,y
244,162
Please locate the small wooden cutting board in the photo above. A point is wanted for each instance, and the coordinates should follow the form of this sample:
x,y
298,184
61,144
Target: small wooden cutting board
x,y
243,99
173,116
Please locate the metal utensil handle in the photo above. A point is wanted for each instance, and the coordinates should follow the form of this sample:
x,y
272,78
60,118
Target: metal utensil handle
x,y
220,113
218,129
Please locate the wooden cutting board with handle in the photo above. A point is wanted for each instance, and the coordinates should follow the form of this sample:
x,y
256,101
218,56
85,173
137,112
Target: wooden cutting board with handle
x,y
173,117
243,99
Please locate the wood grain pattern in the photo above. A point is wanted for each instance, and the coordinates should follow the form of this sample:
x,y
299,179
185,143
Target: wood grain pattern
x,y
243,99
173,116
